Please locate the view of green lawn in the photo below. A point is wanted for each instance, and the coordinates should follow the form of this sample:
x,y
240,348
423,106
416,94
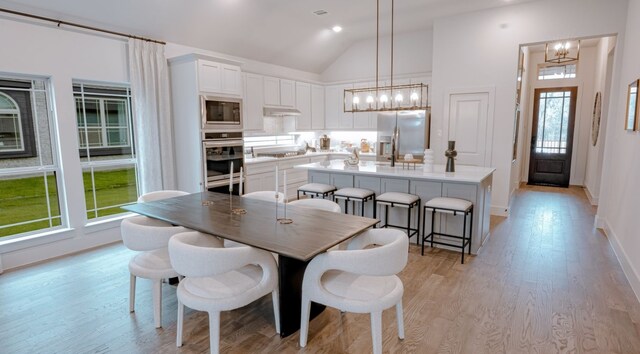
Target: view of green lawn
x,y
25,199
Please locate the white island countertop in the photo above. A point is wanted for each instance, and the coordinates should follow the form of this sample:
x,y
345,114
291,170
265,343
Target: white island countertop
x,y
463,174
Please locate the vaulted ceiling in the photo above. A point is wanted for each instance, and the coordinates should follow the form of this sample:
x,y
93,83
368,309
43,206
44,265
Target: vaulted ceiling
x,y
281,32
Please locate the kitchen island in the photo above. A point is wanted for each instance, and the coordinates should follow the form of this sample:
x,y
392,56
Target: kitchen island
x,y
468,182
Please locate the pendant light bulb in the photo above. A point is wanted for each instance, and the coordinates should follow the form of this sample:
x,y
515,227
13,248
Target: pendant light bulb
x,y
414,97
369,99
356,100
384,98
399,98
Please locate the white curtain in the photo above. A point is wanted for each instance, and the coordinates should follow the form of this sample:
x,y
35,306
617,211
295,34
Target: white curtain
x,y
149,75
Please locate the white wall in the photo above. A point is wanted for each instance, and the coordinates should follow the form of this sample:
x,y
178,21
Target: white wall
x,y
618,210
412,55
595,154
584,106
516,165
62,55
480,49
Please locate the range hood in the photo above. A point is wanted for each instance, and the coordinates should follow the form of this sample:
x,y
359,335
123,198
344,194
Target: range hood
x,y
279,112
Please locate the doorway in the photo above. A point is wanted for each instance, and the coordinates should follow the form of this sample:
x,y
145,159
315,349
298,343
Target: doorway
x,y
552,136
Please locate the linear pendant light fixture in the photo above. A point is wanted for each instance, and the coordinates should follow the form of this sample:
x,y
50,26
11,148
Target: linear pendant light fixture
x,y
386,98
562,52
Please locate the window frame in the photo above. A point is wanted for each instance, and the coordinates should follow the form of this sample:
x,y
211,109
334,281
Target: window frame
x,y
543,66
106,92
21,87
102,93
42,169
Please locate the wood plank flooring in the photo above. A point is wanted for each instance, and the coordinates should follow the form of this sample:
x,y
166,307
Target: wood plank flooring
x,y
546,282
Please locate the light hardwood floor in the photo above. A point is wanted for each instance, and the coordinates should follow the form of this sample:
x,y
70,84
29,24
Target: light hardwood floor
x,y
546,282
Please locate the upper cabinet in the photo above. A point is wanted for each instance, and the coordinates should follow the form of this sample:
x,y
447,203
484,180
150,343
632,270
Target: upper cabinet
x,y
335,116
317,107
219,78
279,92
303,104
253,102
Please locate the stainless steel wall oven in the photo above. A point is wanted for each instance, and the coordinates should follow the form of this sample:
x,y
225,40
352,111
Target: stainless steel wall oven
x,y
220,150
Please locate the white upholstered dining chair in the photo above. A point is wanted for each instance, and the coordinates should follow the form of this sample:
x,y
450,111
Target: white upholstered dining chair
x,y
150,238
158,195
269,196
361,279
220,279
317,203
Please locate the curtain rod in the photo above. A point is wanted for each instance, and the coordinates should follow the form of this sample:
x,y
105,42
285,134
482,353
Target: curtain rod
x,y
61,22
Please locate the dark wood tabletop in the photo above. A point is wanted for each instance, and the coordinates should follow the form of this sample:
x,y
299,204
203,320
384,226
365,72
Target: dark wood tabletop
x,y
312,231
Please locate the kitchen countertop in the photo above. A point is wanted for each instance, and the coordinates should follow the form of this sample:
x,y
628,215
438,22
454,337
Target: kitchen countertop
x,y
259,159
468,174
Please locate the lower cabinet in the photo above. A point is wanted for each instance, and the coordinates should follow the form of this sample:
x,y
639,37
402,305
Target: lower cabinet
x,y
262,177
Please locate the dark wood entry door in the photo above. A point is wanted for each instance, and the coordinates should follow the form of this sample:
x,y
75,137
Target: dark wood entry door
x,y
552,136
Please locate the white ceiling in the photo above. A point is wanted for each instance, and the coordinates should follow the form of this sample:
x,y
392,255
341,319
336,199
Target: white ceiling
x,y
281,32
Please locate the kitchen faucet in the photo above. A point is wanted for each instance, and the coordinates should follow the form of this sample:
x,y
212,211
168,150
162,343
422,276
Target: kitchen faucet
x,y
394,140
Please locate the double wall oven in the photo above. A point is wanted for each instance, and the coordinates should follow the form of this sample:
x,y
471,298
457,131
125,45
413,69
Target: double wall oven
x,y
220,151
222,144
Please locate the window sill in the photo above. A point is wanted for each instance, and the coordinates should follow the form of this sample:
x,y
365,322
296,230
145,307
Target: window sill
x,y
36,239
60,234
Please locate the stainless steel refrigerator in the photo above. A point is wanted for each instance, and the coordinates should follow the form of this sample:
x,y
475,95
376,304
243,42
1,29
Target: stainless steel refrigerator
x,y
413,133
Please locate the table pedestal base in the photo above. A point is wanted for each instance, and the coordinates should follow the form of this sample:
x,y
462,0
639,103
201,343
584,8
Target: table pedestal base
x,y
291,272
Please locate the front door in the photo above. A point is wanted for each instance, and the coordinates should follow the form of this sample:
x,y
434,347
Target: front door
x,y
552,136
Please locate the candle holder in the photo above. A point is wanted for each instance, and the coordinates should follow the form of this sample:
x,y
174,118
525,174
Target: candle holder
x,y
284,220
204,201
235,211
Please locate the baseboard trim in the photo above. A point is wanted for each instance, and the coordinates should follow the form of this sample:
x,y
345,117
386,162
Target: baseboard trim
x,y
632,276
500,211
593,200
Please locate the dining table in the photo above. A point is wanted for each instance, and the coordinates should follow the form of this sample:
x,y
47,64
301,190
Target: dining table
x,y
306,233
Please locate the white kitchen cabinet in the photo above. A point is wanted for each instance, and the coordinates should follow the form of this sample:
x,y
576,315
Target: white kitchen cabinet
x,y
317,107
303,104
219,78
253,103
260,182
335,116
279,92
287,93
261,176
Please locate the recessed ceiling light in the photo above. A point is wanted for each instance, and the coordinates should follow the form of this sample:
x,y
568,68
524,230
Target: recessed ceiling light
x,y
337,29
320,12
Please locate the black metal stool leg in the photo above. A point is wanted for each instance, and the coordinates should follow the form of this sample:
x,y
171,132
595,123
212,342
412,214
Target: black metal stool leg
x,y
423,229
470,229
409,222
464,231
433,223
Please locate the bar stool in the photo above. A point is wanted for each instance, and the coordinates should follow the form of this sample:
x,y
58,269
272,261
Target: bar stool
x,y
356,195
403,200
317,190
453,206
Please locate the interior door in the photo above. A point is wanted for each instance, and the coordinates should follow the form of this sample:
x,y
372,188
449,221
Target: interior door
x,y
552,136
468,119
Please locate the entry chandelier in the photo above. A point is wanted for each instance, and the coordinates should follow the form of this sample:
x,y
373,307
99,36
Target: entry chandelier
x,y
562,52
403,97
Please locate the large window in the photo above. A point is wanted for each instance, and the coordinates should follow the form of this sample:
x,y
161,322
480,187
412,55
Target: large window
x,y
28,167
106,147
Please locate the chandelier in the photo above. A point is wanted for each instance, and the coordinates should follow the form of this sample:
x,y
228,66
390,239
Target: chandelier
x,y
562,52
386,98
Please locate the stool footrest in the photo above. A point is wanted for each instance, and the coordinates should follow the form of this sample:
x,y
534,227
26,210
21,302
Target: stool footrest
x,y
464,244
413,231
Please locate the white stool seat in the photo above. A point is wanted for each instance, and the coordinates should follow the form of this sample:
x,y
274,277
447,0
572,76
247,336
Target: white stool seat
x,y
396,197
448,203
344,193
317,188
